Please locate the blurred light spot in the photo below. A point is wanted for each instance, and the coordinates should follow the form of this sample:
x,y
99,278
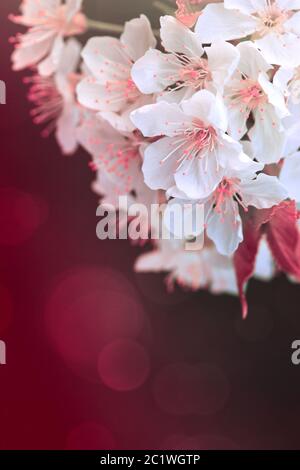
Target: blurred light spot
x,y
20,216
124,365
87,309
183,389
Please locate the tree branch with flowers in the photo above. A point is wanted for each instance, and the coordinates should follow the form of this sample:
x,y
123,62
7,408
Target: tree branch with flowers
x,y
205,110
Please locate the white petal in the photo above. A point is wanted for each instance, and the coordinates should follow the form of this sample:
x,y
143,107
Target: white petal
x,y
66,129
178,38
199,178
94,95
280,49
223,59
160,119
159,174
23,56
138,37
282,78
293,24
155,71
245,6
70,57
275,96
290,176
208,108
263,192
252,62
292,126
216,22
106,57
230,156
289,4
237,120
226,233
122,121
48,66
267,135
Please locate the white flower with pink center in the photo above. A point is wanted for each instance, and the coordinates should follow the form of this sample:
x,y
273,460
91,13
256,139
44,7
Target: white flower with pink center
x,y
49,21
273,24
185,67
116,155
194,151
251,94
54,99
109,89
237,191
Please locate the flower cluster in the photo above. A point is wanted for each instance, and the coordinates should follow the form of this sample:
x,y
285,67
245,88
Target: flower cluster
x,y
205,111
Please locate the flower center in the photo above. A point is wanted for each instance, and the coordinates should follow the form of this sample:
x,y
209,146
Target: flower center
x,y
48,102
272,19
120,90
197,140
249,96
200,138
195,74
226,189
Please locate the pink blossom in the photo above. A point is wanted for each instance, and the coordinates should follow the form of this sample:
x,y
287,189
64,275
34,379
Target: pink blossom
x,y
48,22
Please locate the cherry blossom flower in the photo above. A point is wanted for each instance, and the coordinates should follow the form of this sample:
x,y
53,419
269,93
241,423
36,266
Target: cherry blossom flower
x,y
273,24
54,98
251,92
237,191
194,151
117,156
192,270
183,70
49,21
110,89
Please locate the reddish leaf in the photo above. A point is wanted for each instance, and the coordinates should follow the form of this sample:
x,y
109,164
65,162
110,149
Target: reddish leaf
x,y
244,260
283,237
255,223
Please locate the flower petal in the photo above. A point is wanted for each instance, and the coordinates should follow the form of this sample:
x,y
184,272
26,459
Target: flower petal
x,y
159,173
155,71
216,22
280,49
160,119
290,176
226,233
178,38
138,37
267,135
223,59
263,192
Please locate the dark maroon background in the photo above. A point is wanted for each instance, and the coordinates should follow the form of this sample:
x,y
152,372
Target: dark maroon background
x,y
200,377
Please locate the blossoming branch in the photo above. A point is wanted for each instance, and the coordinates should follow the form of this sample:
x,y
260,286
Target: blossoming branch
x,y
204,111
